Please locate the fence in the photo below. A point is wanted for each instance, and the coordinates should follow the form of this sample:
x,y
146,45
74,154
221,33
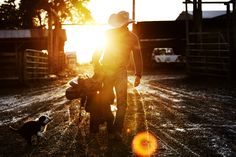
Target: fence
x,y
35,65
23,66
208,53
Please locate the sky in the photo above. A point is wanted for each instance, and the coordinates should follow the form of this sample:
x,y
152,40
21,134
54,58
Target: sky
x,y
79,37
146,10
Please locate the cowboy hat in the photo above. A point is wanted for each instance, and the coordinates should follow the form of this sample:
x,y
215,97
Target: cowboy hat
x,y
120,19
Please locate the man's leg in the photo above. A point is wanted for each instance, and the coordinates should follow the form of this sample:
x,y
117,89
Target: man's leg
x,y
107,98
121,95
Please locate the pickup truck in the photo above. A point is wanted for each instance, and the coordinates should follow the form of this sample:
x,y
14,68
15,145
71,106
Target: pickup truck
x,y
165,55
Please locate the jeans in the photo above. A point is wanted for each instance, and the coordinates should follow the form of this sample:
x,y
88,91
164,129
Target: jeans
x,y
118,80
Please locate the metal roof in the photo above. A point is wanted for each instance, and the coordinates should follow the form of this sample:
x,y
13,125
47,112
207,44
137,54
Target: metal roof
x,y
26,33
205,14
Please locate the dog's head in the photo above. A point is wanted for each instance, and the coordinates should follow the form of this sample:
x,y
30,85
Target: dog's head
x,y
44,120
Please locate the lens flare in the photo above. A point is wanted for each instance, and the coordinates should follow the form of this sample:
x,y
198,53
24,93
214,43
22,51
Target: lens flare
x,y
144,144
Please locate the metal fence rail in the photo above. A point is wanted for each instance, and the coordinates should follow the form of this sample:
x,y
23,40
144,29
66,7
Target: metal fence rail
x,y
35,65
208,54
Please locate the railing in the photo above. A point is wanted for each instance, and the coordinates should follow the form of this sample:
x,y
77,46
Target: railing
x,y
35,65
208,53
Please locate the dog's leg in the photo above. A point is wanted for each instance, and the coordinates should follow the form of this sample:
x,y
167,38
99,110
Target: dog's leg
x,y
40,134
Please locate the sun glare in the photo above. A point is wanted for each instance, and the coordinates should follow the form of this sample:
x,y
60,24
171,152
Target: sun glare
x,y
84,40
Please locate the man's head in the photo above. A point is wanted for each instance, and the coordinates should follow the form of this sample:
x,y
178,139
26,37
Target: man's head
x,y
120,19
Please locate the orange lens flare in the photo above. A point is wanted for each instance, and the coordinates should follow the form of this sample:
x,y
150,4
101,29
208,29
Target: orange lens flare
x,y
144,144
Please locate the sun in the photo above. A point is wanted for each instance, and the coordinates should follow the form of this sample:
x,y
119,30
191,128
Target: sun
x,y
84,40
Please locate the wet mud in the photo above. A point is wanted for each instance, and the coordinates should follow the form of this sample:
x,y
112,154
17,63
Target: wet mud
x,y
188,117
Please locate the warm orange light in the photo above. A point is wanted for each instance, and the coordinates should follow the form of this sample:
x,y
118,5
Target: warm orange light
x,y
144,144
84,40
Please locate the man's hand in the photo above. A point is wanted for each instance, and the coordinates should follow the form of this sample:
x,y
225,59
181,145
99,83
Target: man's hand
x,y
136,81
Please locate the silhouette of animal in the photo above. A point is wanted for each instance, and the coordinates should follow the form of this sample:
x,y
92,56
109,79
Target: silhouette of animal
x,y
30,128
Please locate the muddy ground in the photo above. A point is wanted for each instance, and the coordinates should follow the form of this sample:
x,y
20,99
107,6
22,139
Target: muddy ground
x,y
189,117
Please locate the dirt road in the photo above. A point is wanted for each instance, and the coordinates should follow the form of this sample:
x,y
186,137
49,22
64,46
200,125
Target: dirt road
x,y
188,118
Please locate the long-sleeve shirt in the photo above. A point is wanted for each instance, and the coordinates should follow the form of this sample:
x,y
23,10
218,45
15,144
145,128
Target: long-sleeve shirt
x,y
119,45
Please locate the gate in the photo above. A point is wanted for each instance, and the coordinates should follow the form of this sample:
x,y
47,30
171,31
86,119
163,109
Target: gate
x,y
35,65
208,54
21,67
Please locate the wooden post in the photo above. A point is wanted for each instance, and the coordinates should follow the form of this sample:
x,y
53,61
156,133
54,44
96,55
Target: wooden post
x,y
24,67
186,21
133,13
234,5
187,34
56,50
50,42
197,15
233,40
20,65
194,8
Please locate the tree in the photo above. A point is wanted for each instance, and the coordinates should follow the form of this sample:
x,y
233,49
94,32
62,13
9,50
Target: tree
x,y
9,15
29,10
34,13
63,10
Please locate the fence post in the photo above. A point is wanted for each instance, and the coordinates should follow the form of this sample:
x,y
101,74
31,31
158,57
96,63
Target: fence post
x,y
24,63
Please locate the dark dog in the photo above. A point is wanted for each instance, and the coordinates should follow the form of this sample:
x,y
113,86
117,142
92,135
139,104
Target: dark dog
x,y
94,98
31,128
99,108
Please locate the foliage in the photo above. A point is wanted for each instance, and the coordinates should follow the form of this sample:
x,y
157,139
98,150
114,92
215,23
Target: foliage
x,y
34,13
9,15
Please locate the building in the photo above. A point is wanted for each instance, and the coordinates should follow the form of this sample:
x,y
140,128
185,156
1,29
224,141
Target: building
x,y
14,43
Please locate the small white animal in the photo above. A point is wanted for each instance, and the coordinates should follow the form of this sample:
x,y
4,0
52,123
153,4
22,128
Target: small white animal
x,y
31,128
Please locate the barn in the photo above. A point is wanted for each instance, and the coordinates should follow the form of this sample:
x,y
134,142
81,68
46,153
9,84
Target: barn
x,y
209,45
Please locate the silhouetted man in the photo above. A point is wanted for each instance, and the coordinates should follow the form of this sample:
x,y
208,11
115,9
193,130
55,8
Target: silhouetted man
x,y
116,57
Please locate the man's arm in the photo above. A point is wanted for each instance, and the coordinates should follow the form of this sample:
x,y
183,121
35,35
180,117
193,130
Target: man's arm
x,y
138,61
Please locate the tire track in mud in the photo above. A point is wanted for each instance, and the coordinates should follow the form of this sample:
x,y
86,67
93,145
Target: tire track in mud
x,y
168,145
212,109
135,114
168,120
137,119
204,111
26,105
198,103
162,144
19,101
190,94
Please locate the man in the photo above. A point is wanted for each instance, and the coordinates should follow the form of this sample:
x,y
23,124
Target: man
x,y
116,57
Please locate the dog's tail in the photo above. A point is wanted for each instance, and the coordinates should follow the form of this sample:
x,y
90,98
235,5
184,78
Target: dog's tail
x,y
13,129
